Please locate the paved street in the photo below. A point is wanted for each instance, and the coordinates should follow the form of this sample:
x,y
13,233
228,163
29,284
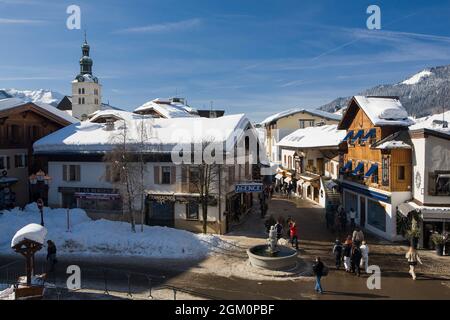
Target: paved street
x,y
203,277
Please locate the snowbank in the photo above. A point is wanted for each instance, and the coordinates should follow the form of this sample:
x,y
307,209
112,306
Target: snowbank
x,y
106,237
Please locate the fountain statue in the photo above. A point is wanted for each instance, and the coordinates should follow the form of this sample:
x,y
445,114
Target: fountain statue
x,y
272,240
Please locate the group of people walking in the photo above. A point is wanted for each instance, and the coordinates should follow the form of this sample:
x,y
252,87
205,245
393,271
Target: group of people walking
x,y
354,253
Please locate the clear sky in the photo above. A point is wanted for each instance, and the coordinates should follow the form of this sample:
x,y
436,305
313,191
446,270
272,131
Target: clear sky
x,y
251,56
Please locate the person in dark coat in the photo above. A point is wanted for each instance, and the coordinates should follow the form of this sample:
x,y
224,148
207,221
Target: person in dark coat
x,y
337,251
356,260
318,269
51,255
279,228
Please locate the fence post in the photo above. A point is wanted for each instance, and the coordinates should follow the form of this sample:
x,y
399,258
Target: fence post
x,y
174,294
106,282
149,287
129,285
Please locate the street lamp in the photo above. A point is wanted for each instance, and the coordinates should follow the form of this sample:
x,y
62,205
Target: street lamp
x,y
40,205
39,181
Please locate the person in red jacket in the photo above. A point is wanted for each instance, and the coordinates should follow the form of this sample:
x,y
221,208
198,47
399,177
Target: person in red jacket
x,y
293,234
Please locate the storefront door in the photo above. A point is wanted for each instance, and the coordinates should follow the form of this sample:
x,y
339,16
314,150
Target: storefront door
x,y
161,214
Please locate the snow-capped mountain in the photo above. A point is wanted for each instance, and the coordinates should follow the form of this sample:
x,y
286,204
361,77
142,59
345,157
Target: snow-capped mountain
x,y
424,93
41,95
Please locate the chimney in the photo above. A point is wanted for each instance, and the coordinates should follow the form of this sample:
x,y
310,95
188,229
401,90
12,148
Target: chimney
x,y
109,124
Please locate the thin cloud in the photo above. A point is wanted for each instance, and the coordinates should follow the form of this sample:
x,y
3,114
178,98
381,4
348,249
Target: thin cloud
x,y
20,21
164,27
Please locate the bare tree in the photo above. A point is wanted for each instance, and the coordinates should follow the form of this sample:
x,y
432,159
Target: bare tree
x,y
127,171
204,179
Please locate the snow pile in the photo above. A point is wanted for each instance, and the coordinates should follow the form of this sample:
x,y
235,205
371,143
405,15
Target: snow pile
x,y
417,77
434,122
384,110
313,137
33,231
106,237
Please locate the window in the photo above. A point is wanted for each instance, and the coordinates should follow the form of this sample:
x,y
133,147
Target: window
x,y
20,161
96,101
79,90
79,100
401,173
112,174
192,210
331,164
439,183
306,123
376,215
165,177
82,91
310,164
285,160
4,163
71,172
82,100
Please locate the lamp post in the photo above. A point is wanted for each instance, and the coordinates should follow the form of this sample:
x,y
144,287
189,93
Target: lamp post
x,y
39,181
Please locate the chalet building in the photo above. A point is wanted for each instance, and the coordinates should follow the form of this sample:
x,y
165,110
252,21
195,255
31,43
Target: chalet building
x,y
431,183
375,172
311,155
21,124
279,125
83,178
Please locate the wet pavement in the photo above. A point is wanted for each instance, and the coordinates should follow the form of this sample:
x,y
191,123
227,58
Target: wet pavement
x,y
132,274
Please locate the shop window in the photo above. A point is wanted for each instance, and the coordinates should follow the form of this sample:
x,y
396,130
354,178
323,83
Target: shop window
x,y
376,215
192,209
439,184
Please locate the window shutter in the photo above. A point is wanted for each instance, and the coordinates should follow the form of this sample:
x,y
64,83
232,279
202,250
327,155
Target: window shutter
x,y
64,172
156,174
431,183
173,175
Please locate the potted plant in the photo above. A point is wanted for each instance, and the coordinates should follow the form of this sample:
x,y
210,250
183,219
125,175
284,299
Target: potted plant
x,y
414,236
438,241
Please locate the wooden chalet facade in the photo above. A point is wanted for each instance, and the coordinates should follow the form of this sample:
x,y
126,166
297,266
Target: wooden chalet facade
x,y
21,124
375,172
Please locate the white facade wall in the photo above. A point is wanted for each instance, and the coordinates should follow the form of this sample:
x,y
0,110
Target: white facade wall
x,y
430,154
90,104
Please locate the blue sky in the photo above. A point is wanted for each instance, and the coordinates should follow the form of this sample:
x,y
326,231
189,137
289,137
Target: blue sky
x,y
256,57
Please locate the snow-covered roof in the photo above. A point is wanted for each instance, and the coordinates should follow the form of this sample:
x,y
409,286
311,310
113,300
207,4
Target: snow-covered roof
x,y
10,103
167,108
434,122
161,134
33,231
291,112
314,137
384,110
86,78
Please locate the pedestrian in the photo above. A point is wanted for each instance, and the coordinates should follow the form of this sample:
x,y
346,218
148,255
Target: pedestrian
x,y
51,255
269,222
357,236
337,250
343,220
413,257
356,260
293,234
352,218
365,255
319,270
279,228
347,252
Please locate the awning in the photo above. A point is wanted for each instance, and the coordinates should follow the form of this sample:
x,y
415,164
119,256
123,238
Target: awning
x,y
370,134
358,135
348,136
435,214
405,208
371,171
347,166
358,169
97,196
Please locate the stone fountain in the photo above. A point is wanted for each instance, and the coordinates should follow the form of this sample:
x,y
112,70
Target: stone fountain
x,y
271,255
